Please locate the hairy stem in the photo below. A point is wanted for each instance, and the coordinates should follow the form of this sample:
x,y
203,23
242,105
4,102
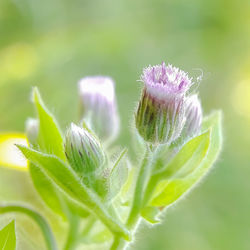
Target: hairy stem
x,y
142,180
118,244
72,233
149,190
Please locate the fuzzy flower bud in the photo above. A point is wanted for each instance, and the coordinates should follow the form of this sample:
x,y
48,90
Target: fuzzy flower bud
x,y
83,151
32,129
97,96
193,114
160,115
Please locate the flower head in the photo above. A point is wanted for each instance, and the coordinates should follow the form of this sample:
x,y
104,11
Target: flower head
x,y
163,82
97,96
161,112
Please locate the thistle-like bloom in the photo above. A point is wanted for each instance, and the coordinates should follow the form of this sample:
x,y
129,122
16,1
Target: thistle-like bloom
x,y
83,150
160,115
193,115
97,96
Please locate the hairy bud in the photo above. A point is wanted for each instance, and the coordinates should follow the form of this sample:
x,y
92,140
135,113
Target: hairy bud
x,y
160,115
193,115
97,96
32,129
83,150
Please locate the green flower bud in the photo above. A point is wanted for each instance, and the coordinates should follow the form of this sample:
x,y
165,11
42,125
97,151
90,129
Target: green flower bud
x,y
83,150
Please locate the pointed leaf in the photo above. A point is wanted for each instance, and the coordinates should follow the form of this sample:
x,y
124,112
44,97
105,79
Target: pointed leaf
x,y
150,214
183,163
56,200
67,181
8,237
49,138
177,187
187,159
46,190
49,141
118,175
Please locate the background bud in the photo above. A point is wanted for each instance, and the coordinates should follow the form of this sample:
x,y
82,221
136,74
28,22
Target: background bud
x,y
32,129
97,96
160,115
193,115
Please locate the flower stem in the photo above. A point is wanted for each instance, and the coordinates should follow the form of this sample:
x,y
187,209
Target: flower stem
x,y
42,223
72,233
88,227
142,180
118,244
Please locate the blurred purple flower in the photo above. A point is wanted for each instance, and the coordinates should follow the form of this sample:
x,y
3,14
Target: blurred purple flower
x,y
193,115
98,101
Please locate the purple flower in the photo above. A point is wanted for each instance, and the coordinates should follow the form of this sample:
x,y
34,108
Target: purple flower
x,y
161,112
97,96
163,82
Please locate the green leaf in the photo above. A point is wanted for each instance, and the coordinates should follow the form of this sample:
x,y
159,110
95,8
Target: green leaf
x,y
67,181
183,163
175,188
46,190
187,159
8,237
126,194
56,200
150,214
118,175
50,140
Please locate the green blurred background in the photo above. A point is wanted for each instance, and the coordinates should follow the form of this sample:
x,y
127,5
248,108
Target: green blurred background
x,y
53,43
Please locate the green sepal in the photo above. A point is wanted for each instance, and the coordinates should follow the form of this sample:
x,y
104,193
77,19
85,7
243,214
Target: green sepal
x,y
8,237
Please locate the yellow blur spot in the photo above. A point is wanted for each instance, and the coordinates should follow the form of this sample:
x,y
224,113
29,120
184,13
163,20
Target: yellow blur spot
x,y
10,156
18,61
241,98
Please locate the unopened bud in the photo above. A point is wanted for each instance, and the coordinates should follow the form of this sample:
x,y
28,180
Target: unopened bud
x,y
32,129
83,150
97,96
193,115
160,115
